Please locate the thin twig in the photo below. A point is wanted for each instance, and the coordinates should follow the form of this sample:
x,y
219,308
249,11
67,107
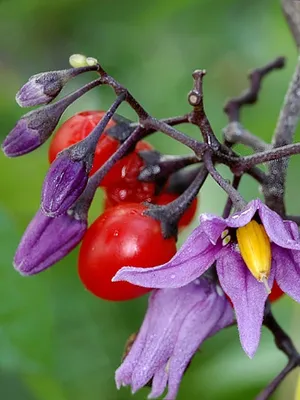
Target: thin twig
x,y
283,343
283,135
198,116
238,202
270,389
228,206
234,133
233,106
291,10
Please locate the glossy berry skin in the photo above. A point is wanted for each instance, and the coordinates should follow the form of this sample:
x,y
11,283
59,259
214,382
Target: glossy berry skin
x,y
121,236
276,293
139,193
79,127
126,171
186,219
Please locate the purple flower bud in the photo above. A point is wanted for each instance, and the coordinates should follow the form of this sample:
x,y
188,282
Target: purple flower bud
x,y
35,127
32,130
47,240
42,88
64,183
68,175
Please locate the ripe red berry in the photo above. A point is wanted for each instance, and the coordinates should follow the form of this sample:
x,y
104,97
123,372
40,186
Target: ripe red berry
x,y
126,171
276,293
121,236
79,127
186,219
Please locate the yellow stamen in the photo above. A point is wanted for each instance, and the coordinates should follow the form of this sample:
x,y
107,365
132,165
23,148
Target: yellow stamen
x,y
255,249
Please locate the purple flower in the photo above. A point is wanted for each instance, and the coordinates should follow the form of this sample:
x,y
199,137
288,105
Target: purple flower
x,y
42,88
47,240
176,323
216,240
64,183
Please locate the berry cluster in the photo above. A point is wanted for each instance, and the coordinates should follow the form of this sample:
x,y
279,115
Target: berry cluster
x,y
122,235
230,267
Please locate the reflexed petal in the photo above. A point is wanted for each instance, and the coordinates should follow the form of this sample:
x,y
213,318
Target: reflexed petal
x,y
195,256
247,295
176,323
277,230
212,226
292,227
159,382
197,326
124,372
243,217
166,313
287,271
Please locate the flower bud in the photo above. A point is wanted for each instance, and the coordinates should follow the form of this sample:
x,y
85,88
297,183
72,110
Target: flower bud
x,y
31,131
35,127
47,240
255,249
64,183
80,60
42,88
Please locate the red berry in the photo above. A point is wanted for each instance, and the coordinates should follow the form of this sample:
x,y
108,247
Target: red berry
x,y
276,293
126,170
121,236
138,193
79,127
186,219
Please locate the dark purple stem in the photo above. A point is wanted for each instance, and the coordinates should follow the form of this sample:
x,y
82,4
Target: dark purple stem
x,y
170,214
198,116
195,145
283,343
82,205
270,389
228,206
250,96
238,202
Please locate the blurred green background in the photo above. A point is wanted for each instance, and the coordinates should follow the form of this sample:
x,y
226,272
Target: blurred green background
x,y
58,342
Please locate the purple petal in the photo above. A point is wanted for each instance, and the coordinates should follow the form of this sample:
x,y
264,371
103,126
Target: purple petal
x,y
176,323
159,382
197,326
292,227
277,230
156,340
42,88
21,140
32,93
46,241
64,183
247,295
287,267
195,256
243,217
123,374
166,313
213,226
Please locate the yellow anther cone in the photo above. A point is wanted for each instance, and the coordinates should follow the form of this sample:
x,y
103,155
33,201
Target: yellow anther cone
x,y
255,248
